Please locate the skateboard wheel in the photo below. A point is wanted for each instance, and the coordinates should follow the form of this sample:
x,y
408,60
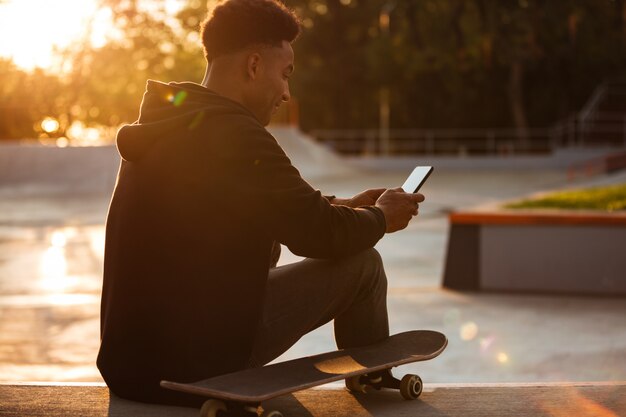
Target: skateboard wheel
x,y
271,413
411,387
353,384
210,408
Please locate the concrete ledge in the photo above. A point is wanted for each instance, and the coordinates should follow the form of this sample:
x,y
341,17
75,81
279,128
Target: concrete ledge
x,y
91,169
609,163
539,251
605,399
561,159
539,218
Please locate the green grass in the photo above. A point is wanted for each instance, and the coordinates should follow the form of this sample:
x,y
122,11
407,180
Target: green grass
x,y
612,198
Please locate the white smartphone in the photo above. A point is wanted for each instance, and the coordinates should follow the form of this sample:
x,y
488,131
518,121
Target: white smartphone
x,y
417,178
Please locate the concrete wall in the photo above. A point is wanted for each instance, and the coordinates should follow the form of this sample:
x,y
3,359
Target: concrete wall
x,y
561,159
94,169
45,168
580,257
577,259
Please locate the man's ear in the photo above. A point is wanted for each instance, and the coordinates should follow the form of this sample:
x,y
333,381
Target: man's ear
x,y
253,65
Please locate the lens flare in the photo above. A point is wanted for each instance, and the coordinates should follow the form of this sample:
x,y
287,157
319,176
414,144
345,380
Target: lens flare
x,y
62,142
50,125
179,98
469,331
486,342
451,317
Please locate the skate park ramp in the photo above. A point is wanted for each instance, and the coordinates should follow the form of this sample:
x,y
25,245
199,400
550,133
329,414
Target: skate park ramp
x,y
93,169
312,159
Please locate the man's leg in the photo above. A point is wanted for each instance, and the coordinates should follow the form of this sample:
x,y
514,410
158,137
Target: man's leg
x,y
303,296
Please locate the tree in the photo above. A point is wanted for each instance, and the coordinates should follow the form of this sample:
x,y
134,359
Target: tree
x,y
25,100
445,63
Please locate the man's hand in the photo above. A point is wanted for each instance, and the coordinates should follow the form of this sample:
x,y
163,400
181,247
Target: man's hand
x,y
365,198
399,207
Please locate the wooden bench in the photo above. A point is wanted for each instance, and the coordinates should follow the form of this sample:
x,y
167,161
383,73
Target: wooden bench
x,y
600,399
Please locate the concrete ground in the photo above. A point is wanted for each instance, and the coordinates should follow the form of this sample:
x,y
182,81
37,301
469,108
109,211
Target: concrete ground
x,y
51,265
604,399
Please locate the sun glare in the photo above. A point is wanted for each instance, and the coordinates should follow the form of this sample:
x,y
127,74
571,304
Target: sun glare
x,y
33,30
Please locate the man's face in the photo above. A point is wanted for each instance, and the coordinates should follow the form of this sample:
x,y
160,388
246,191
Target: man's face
x,y
270,87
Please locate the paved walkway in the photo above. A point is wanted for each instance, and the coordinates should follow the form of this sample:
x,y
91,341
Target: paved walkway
x,y
537,400
51,265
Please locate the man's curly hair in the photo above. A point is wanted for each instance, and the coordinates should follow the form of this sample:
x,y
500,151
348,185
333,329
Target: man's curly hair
x,y
236,24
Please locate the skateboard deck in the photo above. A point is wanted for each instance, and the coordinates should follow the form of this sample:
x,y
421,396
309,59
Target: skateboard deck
x,y
255,385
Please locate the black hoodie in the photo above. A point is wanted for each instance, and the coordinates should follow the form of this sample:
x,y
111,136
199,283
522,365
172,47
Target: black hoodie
x,y
202,192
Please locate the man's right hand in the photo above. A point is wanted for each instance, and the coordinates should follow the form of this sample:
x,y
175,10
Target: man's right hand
x,y
398,207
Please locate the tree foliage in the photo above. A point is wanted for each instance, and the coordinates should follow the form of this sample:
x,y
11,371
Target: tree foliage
x,y
452,63
446,63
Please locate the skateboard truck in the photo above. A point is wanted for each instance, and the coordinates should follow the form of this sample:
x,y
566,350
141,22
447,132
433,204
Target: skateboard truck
x,y
410,386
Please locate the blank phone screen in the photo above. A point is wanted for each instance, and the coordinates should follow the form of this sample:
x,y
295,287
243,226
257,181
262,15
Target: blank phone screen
x,y
416,179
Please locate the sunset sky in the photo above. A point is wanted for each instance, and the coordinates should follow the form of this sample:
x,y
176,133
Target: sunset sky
x,y
31,30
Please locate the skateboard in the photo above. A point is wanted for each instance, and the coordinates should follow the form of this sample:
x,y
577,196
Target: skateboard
x,y
241,393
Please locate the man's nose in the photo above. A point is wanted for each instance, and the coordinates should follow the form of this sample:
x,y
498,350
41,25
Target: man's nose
x,y
286,95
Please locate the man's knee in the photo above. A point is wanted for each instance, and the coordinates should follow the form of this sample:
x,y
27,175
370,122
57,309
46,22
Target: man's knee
x,y
372,258
373,270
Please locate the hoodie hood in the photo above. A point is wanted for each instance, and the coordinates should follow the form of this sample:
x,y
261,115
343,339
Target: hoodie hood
x,y
169,109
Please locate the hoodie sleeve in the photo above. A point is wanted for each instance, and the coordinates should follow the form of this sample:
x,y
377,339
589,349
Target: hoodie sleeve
x,y
270,192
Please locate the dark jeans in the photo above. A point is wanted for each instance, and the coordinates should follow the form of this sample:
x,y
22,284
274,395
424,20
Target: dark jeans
x,y
305,295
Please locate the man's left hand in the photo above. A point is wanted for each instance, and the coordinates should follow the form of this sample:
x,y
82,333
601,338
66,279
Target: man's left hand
x,y
365,198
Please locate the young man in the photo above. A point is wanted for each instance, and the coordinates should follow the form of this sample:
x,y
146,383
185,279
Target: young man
x,y
203,193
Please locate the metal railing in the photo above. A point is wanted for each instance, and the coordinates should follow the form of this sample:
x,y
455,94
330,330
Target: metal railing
x,y
507,141
595,119
434,141
591,106
594,126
